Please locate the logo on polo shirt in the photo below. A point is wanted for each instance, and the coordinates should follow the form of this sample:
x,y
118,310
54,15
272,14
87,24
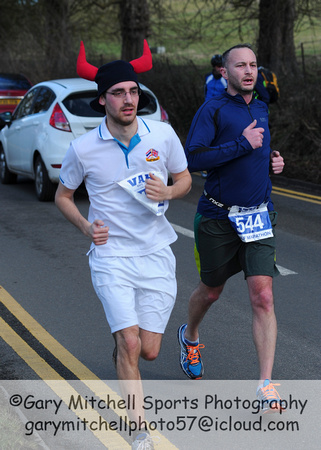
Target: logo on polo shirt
x,y
152,155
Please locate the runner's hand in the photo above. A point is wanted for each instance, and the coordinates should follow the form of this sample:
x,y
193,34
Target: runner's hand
x,y
254,135
99,232
155,189
277,162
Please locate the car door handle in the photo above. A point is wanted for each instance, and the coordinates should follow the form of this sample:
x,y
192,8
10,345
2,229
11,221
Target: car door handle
x,y
17,128
35,123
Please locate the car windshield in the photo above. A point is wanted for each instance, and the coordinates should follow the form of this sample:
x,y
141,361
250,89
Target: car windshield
x,y
79,104
151,108
14,82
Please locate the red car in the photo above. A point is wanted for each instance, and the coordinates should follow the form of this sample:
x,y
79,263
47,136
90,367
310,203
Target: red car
x,y
12,88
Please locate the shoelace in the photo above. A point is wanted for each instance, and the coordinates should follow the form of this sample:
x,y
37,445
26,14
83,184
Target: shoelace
x,y
194,353
269,392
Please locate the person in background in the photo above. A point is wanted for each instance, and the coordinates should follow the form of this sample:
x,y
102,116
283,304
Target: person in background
x,y
260,90
214,82
235,220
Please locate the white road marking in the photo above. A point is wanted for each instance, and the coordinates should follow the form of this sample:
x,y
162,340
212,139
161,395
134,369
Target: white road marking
x,y
283,271
183,231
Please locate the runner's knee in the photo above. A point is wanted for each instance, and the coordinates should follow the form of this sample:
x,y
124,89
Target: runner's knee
x,y
212,294
149,354
151,344
263,300
128,342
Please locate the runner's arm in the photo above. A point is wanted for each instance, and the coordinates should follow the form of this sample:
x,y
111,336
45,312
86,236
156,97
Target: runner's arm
x,y
64,200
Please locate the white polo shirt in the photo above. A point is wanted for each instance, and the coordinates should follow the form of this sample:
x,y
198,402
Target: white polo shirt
x,y
101,161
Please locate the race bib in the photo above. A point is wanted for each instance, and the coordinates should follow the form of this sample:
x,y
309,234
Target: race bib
x,y
251,224
135,186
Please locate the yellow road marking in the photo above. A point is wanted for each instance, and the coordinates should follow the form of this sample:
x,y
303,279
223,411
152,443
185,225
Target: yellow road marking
x,y
46,372
297,195
64,356
27,353
61,387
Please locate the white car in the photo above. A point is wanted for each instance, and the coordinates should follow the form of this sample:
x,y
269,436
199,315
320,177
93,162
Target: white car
x,y
38,133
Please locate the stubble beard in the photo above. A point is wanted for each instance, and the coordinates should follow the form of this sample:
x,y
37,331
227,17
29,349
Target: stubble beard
x,y
241,89
124,122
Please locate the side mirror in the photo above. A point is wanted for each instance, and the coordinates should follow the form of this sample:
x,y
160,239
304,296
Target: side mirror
x,y
5,119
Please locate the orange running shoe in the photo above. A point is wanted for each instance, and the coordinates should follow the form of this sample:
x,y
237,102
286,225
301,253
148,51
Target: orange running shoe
x,y
270,401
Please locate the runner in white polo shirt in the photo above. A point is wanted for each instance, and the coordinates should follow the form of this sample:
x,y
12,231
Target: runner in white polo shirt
x,y
132,265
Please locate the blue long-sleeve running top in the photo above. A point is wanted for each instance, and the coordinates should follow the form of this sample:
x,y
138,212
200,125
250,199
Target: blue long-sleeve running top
x,y
237,174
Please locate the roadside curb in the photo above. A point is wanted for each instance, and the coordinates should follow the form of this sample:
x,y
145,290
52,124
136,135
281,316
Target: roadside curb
x,y
296,185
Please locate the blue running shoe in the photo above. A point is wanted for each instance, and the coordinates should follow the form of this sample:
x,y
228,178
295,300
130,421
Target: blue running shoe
x,y
191,361
270,401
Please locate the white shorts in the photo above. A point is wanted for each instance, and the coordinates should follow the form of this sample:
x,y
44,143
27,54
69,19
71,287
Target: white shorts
x,y
139,290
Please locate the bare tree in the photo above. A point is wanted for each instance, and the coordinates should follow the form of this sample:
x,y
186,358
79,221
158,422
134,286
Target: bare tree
x,y
49,31
271,25
56,35
134,22
276,36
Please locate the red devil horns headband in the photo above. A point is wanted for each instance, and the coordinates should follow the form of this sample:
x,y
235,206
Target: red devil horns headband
x,y
144,63
89,72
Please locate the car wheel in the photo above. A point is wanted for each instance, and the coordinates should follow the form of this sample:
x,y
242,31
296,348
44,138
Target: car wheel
x,y
6,177
45,189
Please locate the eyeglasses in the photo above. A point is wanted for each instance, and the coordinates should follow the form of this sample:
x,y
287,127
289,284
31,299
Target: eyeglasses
x,y
134,92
